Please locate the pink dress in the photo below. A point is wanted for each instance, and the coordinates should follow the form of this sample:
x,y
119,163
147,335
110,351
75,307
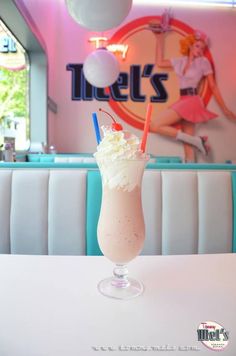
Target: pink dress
x,y
191,107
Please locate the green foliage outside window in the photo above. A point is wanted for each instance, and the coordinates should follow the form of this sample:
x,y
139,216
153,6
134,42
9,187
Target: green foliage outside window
x,y
13,96
13,93
14,90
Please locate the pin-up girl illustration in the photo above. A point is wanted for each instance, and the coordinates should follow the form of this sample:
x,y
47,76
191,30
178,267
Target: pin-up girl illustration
x,y
189,110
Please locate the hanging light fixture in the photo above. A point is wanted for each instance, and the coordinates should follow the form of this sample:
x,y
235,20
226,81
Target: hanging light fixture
x,y
99,15
101,68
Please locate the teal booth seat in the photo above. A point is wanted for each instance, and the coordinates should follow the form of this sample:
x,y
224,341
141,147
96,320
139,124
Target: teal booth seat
x,y
51,157
234,209
94,197
168,159
21,157
151,165
43,157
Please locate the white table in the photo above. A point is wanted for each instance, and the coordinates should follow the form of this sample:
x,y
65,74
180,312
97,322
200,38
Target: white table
x,y
50,306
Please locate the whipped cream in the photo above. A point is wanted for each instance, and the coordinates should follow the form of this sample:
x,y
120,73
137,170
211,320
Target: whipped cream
x,y
120,159
119,145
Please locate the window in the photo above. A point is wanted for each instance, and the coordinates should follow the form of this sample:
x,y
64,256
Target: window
x,y
23,30
14,91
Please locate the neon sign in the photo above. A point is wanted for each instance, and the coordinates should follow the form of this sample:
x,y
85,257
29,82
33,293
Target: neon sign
x,y
115,48
82,90
141,80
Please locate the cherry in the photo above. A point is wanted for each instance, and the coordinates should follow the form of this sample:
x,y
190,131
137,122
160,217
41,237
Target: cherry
x,y
115,125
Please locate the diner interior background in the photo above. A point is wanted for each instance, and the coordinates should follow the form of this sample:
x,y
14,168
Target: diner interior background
x,y
70,129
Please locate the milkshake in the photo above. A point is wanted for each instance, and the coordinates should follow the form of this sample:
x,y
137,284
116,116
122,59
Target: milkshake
x,y
121,229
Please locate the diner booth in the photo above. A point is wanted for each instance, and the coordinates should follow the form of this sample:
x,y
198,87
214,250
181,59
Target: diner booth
x,y
85,79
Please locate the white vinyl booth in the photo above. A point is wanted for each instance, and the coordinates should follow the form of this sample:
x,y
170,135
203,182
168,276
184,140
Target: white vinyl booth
x,y
45,211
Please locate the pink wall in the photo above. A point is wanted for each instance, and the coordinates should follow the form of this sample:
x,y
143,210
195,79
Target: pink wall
x,y
71,129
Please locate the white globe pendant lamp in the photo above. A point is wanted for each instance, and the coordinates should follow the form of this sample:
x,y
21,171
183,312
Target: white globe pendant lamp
x,y
101,68
99,15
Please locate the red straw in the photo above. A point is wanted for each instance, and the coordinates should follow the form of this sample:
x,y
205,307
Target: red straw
x,y
146,127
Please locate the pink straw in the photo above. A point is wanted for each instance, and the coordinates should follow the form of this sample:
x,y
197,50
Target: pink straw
x,y
146,127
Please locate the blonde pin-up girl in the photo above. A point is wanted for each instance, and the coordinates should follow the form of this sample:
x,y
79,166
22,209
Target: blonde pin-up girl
x,y
189,109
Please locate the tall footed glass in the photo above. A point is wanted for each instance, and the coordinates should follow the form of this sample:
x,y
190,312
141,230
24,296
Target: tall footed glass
x,y
121,228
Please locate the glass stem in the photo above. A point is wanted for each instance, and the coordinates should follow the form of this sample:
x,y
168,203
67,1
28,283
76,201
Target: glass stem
x,y
120,279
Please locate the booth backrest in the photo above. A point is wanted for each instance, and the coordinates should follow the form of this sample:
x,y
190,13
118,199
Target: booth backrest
x,y
185,211
55,211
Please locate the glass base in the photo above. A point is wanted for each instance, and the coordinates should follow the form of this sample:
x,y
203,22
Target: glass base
x,y
131,289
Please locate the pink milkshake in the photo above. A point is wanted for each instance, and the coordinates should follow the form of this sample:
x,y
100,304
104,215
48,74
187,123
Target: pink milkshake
x,y
121,229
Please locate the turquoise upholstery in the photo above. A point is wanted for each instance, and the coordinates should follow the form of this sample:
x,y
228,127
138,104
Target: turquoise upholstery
x,y
46,165
94,196
234,209
159,166
51,157
43,157
21,157
168,159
